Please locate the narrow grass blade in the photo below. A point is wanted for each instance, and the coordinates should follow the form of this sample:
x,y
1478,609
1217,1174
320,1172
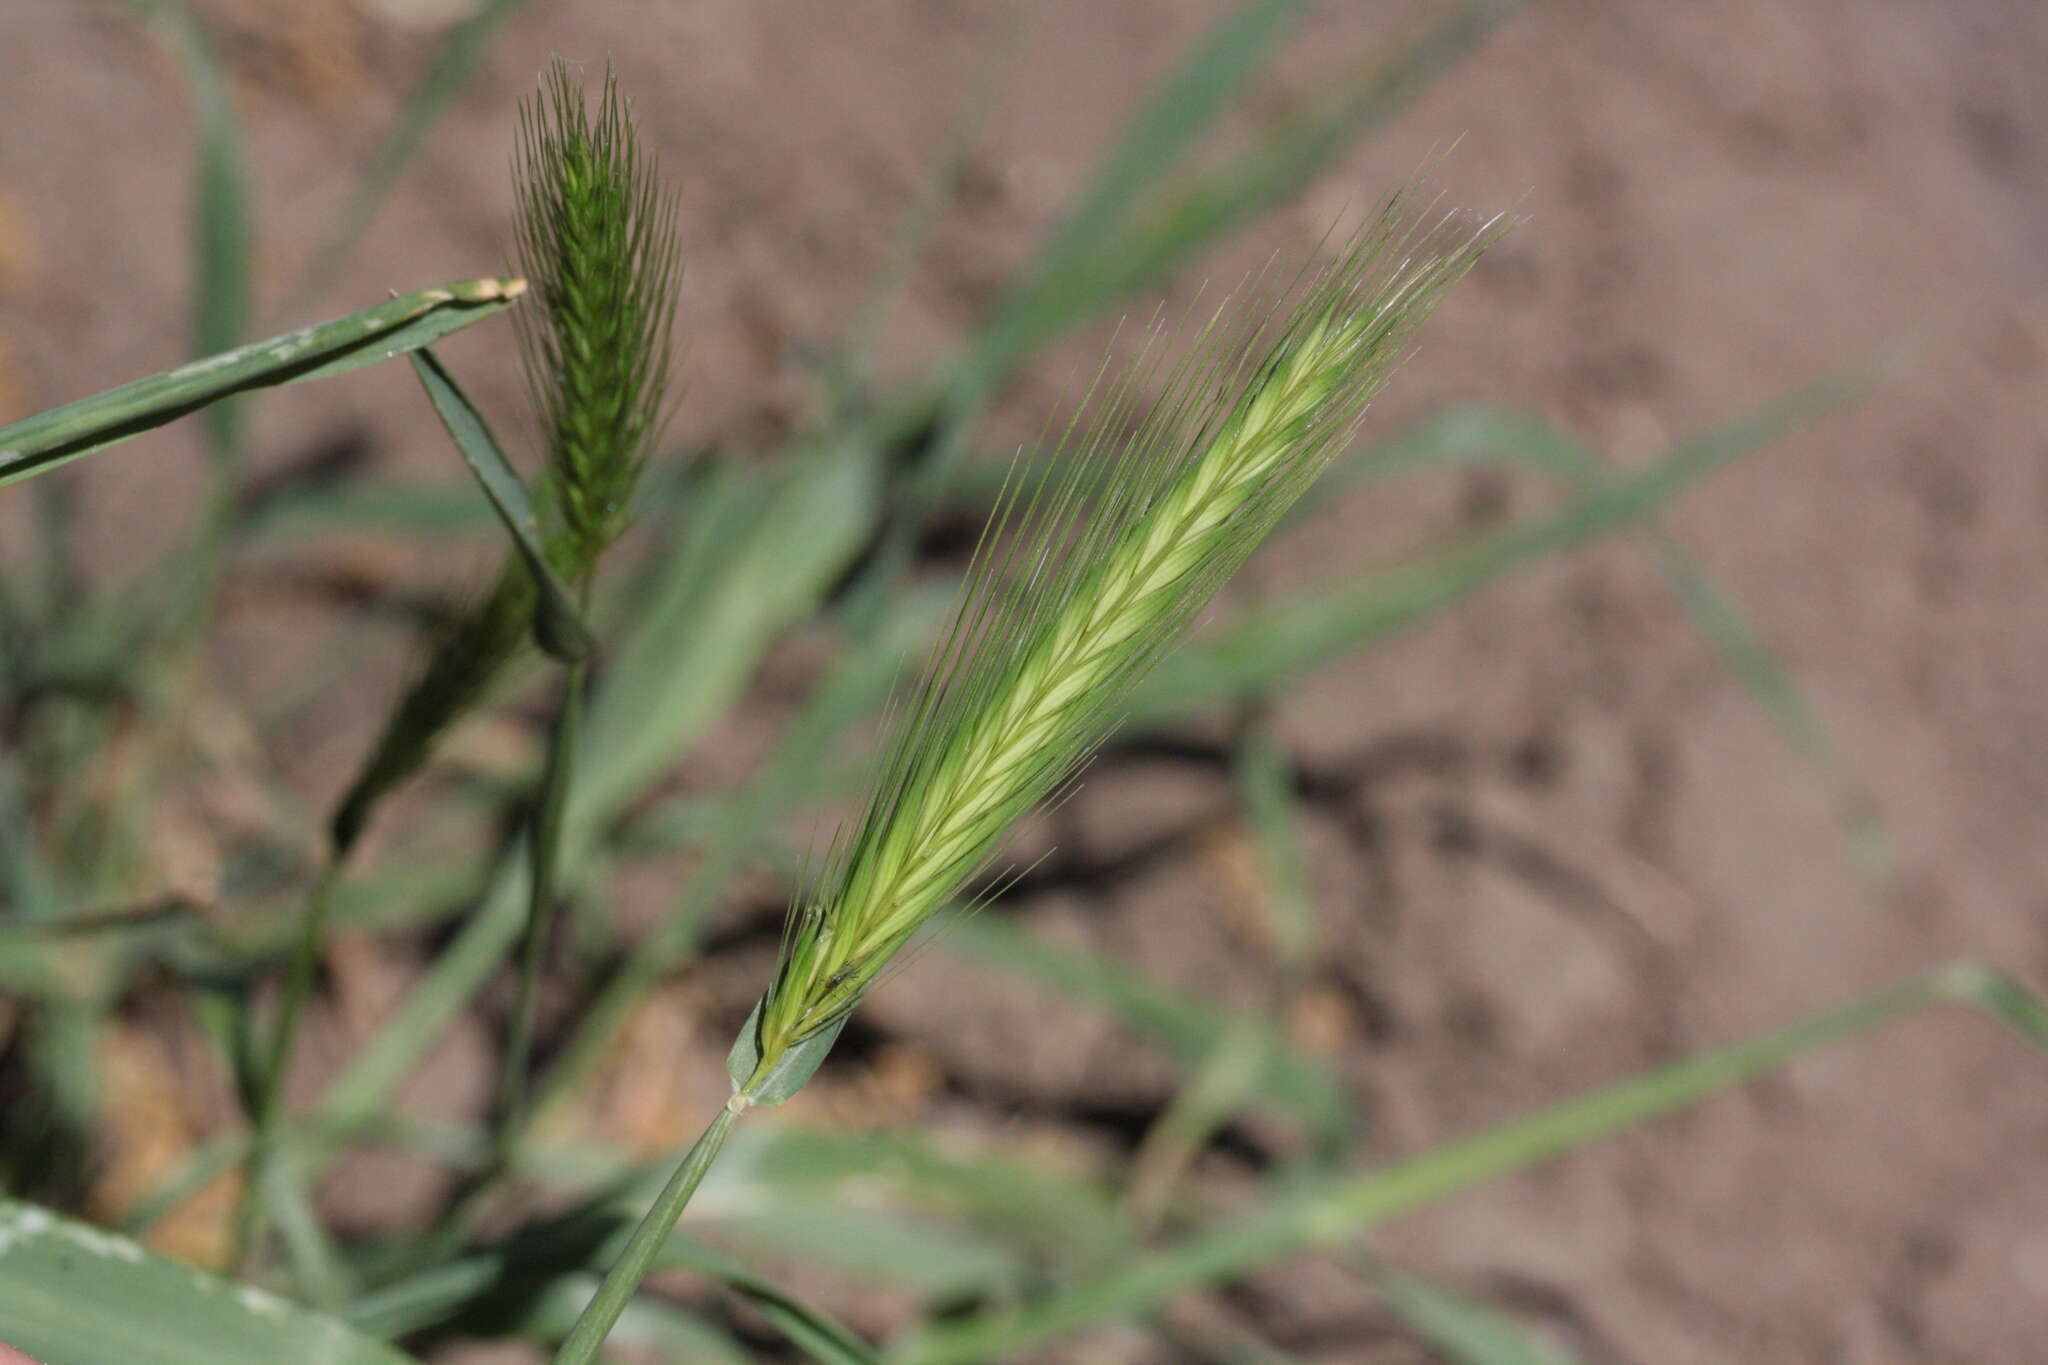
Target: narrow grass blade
x,y
1488,435
699,638
469,654
1272,817
472,1292
53,1143
123,919
891,1210
74,1294
807,1328
1135,231
194,1173
1749,657
1228,1078
513,1108
14,629
1287,158
2002,997
406,895
220,237
1220,1084
1332,1212
34,964
422,510
1461,1330
1187,105
847,370
456,61
1472,433
36,445
359,1094
271,1188
1263,649
1030,1205
557,625
315,1261
55,579
652,1329
1475,435
1191,1029
1045,297
893,1249
1206,85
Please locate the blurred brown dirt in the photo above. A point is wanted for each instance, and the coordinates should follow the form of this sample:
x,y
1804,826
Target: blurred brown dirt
x,y
1561,842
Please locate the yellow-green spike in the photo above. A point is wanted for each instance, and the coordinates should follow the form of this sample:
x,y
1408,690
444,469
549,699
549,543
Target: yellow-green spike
x,y
1077,593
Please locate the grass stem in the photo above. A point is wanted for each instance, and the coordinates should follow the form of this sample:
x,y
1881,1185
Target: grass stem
x,y
637,1259
544,850
266,1091
513,1106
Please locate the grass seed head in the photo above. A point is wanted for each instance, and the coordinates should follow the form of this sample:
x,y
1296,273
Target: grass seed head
x,y
1078,589
597,241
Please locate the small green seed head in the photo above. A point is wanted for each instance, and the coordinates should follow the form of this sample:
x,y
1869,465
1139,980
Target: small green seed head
x,y
597,242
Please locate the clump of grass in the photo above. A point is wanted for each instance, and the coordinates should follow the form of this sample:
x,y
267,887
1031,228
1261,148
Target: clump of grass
x,y
597,243
1075,592
1078,590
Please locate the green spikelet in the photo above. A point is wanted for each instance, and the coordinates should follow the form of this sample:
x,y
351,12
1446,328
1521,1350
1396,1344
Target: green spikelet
x,y
1075,594
597,242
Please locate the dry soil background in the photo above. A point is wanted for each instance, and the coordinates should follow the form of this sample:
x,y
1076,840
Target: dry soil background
x,y
1555,841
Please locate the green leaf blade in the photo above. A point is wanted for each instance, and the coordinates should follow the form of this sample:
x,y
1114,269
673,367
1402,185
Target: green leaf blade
x,y
220,227
557,625
1331,1212
74,1294
1463,1330
38,444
